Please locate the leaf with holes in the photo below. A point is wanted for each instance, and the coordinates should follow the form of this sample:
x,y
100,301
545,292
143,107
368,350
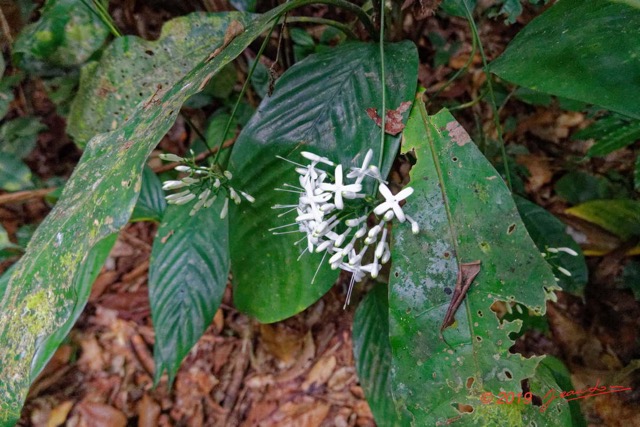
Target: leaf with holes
x,y
97,201
466,214
372,352
318,105
187,278
133,70
568,51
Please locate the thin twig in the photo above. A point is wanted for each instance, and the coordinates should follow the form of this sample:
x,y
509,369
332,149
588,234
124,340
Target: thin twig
x,y
169,166
21,196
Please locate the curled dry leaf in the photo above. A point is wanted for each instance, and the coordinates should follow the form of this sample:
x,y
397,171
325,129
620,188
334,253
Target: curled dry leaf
x,y
393,123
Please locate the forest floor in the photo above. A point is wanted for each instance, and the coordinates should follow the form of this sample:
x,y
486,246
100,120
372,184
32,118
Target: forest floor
x,y
300,372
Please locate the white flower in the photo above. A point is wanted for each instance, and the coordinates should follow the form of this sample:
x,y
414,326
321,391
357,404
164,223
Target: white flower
x,y
171,157
315,158
173,185
249,197
564,271
415,228
392,202
366,170
339,189
225,209
564,249
182,168
184,199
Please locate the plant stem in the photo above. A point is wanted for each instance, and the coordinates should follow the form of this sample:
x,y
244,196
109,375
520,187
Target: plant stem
x,y
492,97
323,21
101,12
383,112
343,4
474,47
198,132
243,90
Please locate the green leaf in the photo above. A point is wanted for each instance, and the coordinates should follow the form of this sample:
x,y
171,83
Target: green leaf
x,y
318,105
458,7
97,201
616,139
466,214
7,248
552,374
66,35
19,136
547,231
14,174
133,71
151,203
82,283
187,277
568,51
619,216
372,354
578,187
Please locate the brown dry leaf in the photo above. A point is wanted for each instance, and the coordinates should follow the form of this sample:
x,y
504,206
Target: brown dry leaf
x,y
282,341
91,355
580,347
148,412
59,414
341,378
393,123
422,8
459,61
100,415
320,373
539,169
305,414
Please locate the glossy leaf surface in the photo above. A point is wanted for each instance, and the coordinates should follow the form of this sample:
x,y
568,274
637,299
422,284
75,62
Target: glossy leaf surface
x,y
372,352
466,214
569,51
187,277
318,105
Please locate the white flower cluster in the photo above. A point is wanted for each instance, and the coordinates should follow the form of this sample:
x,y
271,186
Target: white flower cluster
x,y
204,183
554,251
333,213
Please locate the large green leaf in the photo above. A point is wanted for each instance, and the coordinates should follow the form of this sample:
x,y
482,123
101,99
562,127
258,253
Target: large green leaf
x,y
66,35
82,282
19,135
14,173
151,203
372,352
547,231
187,277
319,105
619,216
569,51
132,69
97,201
466,214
